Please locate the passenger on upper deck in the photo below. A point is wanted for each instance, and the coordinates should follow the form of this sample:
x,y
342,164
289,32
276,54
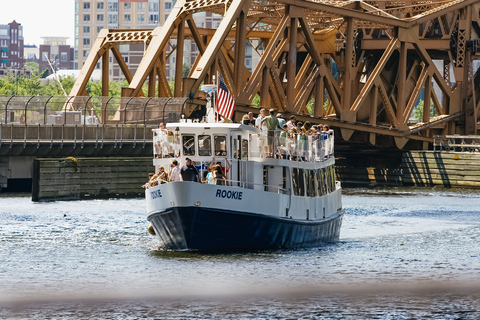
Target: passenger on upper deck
x,y
258,122
248,119
281,120
291,122
272,125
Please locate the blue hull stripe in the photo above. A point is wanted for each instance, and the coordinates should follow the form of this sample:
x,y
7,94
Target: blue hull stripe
x,y
205,229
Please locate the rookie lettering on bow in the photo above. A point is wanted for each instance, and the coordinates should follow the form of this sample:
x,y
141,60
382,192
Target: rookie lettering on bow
x,y
155,194
237,195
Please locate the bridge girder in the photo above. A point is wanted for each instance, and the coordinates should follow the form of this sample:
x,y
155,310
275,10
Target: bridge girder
x,y
362,66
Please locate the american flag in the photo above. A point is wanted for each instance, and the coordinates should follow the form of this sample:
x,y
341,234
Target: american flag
x,y
225,102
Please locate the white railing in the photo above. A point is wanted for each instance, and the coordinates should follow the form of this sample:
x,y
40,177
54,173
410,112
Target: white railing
x,y
316,147
456,143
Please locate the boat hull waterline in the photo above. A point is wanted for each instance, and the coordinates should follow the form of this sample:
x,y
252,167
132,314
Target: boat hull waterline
x,y
212,229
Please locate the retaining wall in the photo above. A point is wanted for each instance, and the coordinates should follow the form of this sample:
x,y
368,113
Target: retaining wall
x,y
89,178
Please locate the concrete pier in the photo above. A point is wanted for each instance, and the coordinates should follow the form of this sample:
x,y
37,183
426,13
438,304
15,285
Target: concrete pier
x,y
413,168
89,178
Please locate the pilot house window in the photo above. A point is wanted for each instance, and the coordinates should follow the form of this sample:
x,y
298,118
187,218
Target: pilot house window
x,y
220,145
204,145
188,142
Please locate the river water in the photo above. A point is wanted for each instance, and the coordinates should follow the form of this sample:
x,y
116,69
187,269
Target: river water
x,y
402,254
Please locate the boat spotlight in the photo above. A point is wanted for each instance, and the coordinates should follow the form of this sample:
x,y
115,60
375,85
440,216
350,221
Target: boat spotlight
x,y
172,203
197,204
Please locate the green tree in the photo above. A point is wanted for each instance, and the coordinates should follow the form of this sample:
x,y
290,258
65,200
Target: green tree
x,y
418,111
185,70
256,101
33,66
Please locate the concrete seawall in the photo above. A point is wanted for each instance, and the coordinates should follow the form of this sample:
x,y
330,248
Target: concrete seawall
x,y
93,178
89,178
412,168
448,169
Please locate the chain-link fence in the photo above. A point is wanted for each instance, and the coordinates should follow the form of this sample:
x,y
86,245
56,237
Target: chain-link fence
x,y
55,110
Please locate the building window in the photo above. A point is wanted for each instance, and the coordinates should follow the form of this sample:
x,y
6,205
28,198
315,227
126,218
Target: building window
x,y
127,6
86,18
99,29
140,18
100,17
126,18
44,56
76,55
153,19
153,6
125,59
140,6
86,30
112,19
85,53
168,5
76,19
63,56
112,6
99,6
86,42
86,6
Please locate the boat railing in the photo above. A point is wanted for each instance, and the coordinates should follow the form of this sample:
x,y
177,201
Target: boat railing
x,y
456,143
317,147
301,147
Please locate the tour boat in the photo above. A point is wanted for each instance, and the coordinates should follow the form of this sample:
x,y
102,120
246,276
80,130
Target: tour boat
x,y
277,194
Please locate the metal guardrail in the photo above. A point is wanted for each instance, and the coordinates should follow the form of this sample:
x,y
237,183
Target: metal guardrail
x,y
456,143
98,134
89,110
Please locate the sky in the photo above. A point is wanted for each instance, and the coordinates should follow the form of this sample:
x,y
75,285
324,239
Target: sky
x,y
40,18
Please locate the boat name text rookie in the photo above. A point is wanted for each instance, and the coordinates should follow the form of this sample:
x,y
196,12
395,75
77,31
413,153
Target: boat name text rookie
x,y
237,195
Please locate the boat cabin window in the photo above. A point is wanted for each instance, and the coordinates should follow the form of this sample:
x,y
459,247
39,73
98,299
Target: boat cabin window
x,y
321,182
220,143
310,179
331,179
298,182
204,145
188,142
244,149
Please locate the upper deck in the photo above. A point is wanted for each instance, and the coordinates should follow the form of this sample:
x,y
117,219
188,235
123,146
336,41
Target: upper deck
x,y
238,141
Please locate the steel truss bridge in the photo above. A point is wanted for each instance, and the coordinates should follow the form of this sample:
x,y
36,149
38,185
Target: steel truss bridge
x,y
360,66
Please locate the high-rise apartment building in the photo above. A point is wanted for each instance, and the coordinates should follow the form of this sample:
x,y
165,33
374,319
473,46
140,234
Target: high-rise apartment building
x,y
93,15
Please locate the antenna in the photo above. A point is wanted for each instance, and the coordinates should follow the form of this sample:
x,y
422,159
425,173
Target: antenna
x,y
55,74
61,86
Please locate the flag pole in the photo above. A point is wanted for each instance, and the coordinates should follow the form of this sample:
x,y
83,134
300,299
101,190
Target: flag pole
x,y
215,82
